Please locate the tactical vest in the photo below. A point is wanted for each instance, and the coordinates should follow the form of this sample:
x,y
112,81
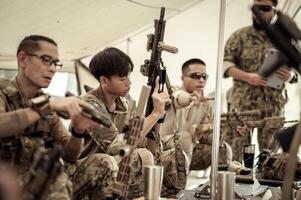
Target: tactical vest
x,y
19,149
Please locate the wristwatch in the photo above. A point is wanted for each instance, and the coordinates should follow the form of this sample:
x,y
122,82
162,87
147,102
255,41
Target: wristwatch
x,y
41,105
78,135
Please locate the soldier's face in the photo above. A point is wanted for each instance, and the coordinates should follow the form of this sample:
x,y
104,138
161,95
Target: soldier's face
x,y
194,79
118,86
266,7
34,67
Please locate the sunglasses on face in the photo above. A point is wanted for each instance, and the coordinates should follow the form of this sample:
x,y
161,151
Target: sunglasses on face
x,y
198,76
265,8
47,60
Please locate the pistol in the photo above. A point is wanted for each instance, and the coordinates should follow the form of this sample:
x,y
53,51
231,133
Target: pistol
x,y
92,114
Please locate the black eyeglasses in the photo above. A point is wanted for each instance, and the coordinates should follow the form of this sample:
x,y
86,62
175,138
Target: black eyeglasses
x,y
48,61
198,76
265,8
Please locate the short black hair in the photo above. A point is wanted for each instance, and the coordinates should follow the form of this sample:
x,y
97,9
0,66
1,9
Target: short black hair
x,y
191,62
111,61
30,43
275,2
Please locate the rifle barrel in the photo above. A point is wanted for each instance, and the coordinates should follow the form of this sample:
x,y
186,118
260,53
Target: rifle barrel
x,y
253,113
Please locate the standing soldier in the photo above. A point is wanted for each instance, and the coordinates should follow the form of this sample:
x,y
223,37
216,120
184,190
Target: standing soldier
x,y
244,54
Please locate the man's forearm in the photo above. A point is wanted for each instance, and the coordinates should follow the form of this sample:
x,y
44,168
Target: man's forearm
x,y
149,122
183,99
237,74
16,121
73,149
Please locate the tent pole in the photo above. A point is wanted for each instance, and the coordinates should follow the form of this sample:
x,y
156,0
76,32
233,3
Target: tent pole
x,y
217,107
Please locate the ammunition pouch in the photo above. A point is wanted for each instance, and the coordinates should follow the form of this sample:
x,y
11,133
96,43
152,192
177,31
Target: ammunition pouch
x,y
273,166
8,149
27,149
174,163
20,151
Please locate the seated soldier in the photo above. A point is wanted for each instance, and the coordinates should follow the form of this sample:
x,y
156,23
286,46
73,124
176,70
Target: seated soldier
x,y
27,124
193,118
112,68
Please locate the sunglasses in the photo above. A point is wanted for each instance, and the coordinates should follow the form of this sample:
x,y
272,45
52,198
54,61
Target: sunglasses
x,y
265,8
198,76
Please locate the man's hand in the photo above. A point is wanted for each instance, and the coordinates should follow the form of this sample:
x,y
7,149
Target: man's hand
x,y
198,96
242,130
256,79
73,106
284,73
159,100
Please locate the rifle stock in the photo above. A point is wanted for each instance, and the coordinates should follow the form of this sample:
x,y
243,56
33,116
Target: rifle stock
x,y
119,188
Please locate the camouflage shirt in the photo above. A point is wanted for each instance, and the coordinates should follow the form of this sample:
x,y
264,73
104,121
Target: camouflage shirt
x,y
245,49
100,140
27,137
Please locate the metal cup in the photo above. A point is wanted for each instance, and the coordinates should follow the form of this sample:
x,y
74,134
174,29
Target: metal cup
x,y
225,185
248,155
153,178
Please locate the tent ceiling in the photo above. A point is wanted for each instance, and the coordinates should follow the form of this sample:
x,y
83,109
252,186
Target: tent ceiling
x,y
79,27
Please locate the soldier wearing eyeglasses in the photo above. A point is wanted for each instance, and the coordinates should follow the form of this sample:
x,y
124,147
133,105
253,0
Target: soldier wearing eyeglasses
x,y
28,120
244,54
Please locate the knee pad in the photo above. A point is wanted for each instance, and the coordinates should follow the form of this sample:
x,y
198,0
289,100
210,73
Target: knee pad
x,y
146,157
105,158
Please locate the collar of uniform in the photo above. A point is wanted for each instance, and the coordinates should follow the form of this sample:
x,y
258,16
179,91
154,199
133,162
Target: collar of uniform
x,y
121,102
258,34
19,93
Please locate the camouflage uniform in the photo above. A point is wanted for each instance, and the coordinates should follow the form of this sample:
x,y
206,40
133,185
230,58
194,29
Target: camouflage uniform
x,y
109,141
92,176
19,149
193,121
245,49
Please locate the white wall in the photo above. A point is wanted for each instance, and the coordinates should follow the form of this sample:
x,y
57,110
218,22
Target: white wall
x,y
195,33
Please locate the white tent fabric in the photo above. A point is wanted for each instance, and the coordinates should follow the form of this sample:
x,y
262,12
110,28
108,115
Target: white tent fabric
x,y
79,27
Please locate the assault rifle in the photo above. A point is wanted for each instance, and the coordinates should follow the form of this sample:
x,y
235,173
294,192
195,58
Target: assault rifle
x,y
119,188
152,67
42,172
235,118
252,119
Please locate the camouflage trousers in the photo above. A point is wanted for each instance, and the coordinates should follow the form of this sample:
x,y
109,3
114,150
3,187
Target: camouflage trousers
x,y
265,137
201,157
92,176
175,160
61,189
236,141
265,141
165,158
140,157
